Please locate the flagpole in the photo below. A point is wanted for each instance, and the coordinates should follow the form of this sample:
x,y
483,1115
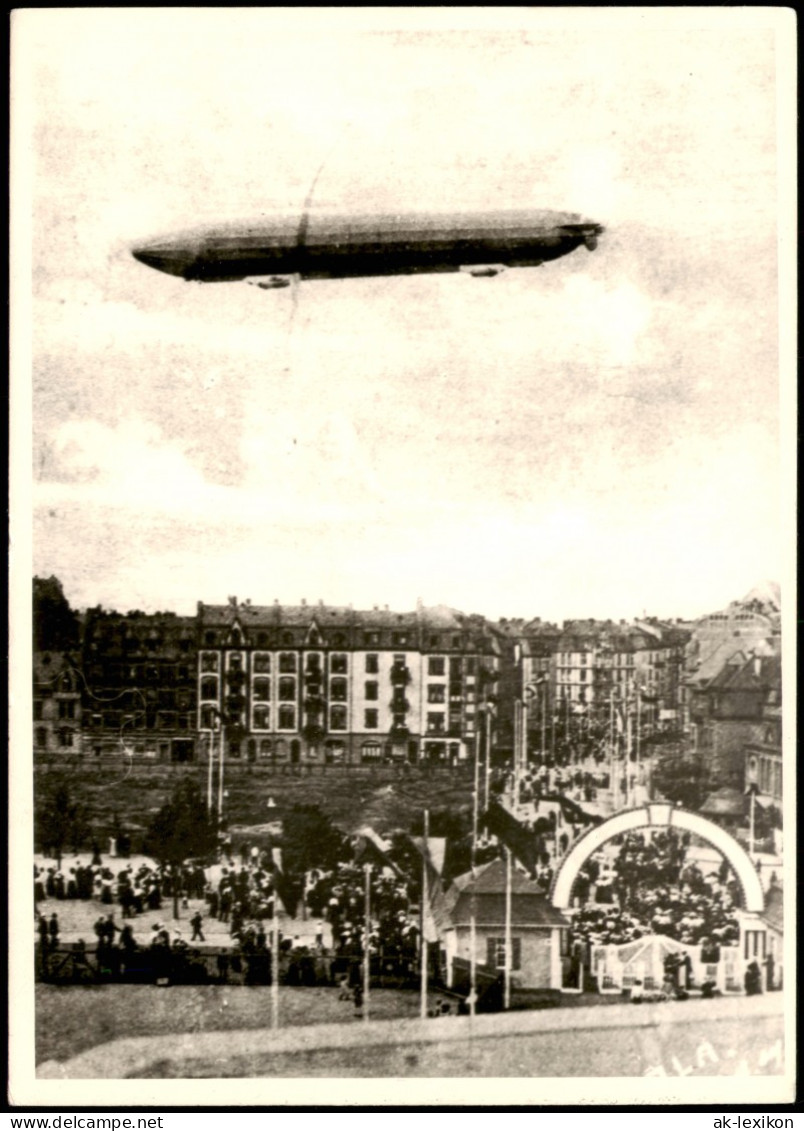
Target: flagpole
x,y
472,941
638,726
525,731
488,754
220,779
544,719
210,756
423,947
367,947
507,1001
274,950
475,796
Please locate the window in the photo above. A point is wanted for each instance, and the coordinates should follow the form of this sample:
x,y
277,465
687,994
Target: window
x,y
435,692
235,662
37,707
287,688
372,663
337,690
470,665
65,737
583,676
261,689
372,689
40,737
432,642
287,661
234,748
287,637
435,665
262,662
209,688
287,718
398,638
337,663
456,642
435,722
209,638
265,748
496,953
372,637
337,718
371,752
207,718
262,640
262,718
371,718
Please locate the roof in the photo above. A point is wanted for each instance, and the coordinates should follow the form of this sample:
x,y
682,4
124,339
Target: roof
x,y
630,951
483,896
528,909
724,803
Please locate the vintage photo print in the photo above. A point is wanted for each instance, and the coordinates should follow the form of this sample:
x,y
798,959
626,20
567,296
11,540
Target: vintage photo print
x,y
402,447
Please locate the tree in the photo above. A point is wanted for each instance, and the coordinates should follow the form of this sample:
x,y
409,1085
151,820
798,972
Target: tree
x,y
55,625
182,828
309,840
61,820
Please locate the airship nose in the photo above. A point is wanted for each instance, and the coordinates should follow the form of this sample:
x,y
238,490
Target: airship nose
x,y
171,260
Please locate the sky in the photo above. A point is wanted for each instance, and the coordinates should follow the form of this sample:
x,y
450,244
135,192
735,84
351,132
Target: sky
x,y
595,437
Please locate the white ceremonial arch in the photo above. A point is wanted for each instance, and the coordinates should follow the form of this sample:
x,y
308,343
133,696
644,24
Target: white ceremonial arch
x,y
658,815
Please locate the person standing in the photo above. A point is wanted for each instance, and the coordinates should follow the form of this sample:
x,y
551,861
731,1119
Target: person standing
x,y
53,929
196,923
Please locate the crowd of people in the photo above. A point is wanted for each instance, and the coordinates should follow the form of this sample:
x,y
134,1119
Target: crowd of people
x,y
651,888
136,891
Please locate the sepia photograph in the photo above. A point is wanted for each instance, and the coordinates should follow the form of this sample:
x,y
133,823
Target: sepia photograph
x,y
402,556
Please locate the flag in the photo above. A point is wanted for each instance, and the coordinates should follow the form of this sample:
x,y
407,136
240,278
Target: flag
x,y
521,841
435,917
572,812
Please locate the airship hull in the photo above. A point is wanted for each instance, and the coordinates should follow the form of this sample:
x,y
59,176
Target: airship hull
x,y
347,246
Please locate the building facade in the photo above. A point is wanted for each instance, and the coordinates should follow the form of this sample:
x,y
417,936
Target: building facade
x,y
332,684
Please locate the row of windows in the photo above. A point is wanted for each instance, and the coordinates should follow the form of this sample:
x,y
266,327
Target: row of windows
x,y
63,736
338,690
286,717
338,663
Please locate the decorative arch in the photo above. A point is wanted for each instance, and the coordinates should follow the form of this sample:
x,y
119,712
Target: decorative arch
x,y
664,816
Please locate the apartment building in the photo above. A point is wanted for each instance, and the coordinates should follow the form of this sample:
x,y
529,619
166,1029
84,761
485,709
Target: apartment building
x,y
322,683
138,685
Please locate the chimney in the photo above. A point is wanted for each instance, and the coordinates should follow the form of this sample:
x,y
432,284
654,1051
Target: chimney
x,y
233,602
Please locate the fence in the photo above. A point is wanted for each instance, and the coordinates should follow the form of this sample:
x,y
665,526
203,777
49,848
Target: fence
x,y
208,965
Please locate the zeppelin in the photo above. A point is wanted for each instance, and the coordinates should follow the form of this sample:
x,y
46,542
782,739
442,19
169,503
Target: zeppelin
x,y
271,251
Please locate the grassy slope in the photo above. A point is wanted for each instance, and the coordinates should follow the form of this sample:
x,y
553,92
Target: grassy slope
x,y
375,798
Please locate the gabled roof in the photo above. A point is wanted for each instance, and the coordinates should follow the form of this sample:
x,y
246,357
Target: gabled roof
x,y
488,910
483,896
